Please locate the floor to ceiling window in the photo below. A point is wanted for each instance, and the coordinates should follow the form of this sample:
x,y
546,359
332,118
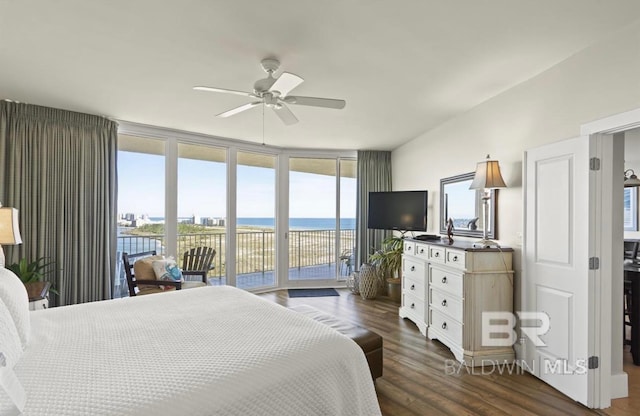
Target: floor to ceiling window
x,y
321,233
348,196
272,218
141,201
256,220
202,206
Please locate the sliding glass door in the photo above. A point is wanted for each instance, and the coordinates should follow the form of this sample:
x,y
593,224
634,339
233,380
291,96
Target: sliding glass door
x,y
321,220
256,220
202,206
141,197
347,234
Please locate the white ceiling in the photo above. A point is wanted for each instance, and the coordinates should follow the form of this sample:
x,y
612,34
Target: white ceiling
x,y
403,66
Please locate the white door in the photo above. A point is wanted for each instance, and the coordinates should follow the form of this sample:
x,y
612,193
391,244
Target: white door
x,y
557,279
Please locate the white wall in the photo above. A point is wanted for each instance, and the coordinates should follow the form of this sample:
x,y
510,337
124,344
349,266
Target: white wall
x,y
599,81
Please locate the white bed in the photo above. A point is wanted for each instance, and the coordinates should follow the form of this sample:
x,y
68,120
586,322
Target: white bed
x,y
206,351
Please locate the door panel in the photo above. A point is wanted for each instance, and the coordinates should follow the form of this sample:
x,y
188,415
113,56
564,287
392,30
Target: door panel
x,y
556,276
553,196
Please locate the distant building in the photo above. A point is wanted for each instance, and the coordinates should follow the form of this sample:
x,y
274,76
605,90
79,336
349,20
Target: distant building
x,y
212,222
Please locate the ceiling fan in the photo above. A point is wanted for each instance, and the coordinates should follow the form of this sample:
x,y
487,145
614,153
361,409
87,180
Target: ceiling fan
x,y
274,93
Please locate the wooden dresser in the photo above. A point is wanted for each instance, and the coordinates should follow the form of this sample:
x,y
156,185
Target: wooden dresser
x,y
445,289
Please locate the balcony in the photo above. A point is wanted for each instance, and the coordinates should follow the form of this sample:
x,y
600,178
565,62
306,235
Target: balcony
x,y
312,255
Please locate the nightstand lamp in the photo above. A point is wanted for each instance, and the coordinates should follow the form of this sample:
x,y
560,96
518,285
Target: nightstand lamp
x,y
630,179
9,230
487,177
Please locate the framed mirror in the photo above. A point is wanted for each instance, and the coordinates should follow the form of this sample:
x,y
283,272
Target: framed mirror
x,y
464,207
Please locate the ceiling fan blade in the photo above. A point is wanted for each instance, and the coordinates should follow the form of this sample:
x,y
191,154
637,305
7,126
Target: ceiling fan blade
x,y
285,114
316,102
240,109
213,89
285,83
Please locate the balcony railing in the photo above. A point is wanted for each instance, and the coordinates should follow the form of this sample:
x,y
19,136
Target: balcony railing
x,y
255,250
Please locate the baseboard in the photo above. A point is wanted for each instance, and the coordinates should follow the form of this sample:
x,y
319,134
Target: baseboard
x,y
619,385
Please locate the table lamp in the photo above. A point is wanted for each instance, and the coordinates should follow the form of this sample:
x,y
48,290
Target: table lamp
x,y
487,177
630,179
9,230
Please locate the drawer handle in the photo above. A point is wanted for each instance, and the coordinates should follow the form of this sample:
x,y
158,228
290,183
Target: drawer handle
x,y
436,254
413,305
413,287
409,248
444,325
413,268
421,250
444,302
444,280
455,258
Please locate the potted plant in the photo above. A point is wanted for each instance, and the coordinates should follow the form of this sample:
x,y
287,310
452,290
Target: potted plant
x,y
388,262
31,272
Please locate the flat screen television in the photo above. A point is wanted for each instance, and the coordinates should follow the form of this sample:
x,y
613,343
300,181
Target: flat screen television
x,y
399,210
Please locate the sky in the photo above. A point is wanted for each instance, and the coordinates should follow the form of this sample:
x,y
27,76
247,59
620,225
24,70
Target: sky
x,y
461,202
202,190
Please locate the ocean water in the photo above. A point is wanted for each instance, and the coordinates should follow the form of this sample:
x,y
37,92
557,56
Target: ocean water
x,y
302,223
294,223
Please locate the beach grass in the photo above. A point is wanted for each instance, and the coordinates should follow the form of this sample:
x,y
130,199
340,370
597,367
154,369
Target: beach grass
x,y
256,246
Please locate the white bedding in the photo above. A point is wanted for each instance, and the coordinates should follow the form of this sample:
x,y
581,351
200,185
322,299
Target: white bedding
x,y
206,351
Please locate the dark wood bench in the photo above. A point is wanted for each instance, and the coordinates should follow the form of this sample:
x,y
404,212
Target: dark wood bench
x,y
369,341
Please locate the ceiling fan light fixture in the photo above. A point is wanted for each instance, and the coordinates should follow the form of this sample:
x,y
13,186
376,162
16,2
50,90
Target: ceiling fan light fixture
x,y
274,93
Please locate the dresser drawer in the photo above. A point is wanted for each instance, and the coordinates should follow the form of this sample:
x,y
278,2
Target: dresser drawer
x,y
446,303
413,304
446,280
444,324
413,269
414,287
437,254
409,248
455,258
422,250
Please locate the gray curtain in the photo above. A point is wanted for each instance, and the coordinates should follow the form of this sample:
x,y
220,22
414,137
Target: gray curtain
x,y
58,168
374,175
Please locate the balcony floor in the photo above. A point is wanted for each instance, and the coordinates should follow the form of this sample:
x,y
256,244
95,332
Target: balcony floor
x,y
260,279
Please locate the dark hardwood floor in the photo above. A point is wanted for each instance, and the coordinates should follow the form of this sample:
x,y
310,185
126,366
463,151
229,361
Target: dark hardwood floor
x,y
421,377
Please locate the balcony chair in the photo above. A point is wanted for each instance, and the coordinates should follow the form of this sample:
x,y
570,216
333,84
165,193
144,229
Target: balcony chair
x,y
347,258
146,282
199,259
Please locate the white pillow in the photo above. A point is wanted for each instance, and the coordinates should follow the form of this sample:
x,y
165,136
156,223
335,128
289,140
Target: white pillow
x,y
10,344
12,396
14,295
167,269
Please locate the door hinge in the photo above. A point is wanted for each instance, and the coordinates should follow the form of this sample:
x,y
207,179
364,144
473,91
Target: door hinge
x,y
286,236
594,163
593,362
594,263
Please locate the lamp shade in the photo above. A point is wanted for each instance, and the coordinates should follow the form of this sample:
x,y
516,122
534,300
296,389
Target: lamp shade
x,y
630,179
487,176
9,230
